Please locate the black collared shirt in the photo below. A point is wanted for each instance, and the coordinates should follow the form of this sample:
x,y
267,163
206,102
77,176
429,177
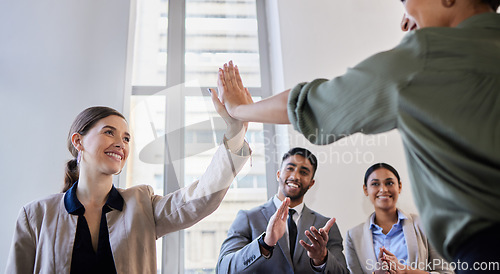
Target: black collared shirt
x,y
84,259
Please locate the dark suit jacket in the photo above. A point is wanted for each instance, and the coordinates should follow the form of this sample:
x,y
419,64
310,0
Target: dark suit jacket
x,y
240,252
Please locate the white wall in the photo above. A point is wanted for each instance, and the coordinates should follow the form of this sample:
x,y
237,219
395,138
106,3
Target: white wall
x,y
56,58
322,38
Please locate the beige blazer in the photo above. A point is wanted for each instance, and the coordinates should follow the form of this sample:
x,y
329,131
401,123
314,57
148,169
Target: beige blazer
x,y
45,231
361,257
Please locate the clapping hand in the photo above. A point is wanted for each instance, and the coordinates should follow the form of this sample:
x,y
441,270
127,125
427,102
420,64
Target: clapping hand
x,y
317,250
277,224
391,262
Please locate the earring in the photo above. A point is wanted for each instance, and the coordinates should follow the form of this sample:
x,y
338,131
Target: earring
x,y
79,157
448,3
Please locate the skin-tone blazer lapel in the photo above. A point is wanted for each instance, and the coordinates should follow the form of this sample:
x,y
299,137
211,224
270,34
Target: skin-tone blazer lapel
x,y
367,245
118,240
410,237
268,210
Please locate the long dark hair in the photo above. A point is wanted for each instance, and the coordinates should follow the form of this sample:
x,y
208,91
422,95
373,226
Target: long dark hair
x,y
376,166
83,122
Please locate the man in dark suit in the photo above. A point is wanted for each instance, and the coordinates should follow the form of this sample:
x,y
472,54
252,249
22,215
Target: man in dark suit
x,y
266,240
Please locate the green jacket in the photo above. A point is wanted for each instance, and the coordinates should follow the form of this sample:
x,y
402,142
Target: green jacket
x,y
440,87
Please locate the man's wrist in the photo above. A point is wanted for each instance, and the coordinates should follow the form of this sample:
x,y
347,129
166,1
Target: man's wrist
x,y
317,262
263,243
317,268
266,238
266,250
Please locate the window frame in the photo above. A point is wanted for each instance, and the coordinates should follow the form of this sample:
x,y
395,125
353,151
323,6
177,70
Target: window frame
x,y
173,243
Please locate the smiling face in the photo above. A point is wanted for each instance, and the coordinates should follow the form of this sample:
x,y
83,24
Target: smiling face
x,y
294,178
105,146
383,189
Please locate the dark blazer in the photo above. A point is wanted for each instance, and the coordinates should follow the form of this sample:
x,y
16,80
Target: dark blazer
x,y
240,252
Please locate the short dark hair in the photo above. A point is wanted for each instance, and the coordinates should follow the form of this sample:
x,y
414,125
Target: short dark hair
x,y
304,153
493,4
376,166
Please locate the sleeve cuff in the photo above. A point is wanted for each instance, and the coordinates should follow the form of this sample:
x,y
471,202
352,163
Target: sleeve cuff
x,y
236,143
268,256
317,268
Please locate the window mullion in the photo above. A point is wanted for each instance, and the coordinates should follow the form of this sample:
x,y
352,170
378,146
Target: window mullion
x,y
174,120
176,42
265,91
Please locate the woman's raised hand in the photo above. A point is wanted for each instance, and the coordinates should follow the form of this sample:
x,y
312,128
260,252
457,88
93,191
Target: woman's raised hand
x,y
232,93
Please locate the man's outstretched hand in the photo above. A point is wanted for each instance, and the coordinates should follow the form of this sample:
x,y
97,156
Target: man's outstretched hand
x,y
317,250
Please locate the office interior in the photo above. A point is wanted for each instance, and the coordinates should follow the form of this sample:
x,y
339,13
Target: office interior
x,y
59,57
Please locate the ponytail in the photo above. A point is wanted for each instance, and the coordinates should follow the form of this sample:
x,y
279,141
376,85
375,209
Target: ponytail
x,y
71,175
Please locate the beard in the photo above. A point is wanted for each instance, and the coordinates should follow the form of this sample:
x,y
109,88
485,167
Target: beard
x,y
293,196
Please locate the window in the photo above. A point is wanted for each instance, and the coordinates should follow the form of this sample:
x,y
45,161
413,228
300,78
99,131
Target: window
x,y
178,48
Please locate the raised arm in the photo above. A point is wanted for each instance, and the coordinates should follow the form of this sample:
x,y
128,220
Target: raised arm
x,y
271,110
188,205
